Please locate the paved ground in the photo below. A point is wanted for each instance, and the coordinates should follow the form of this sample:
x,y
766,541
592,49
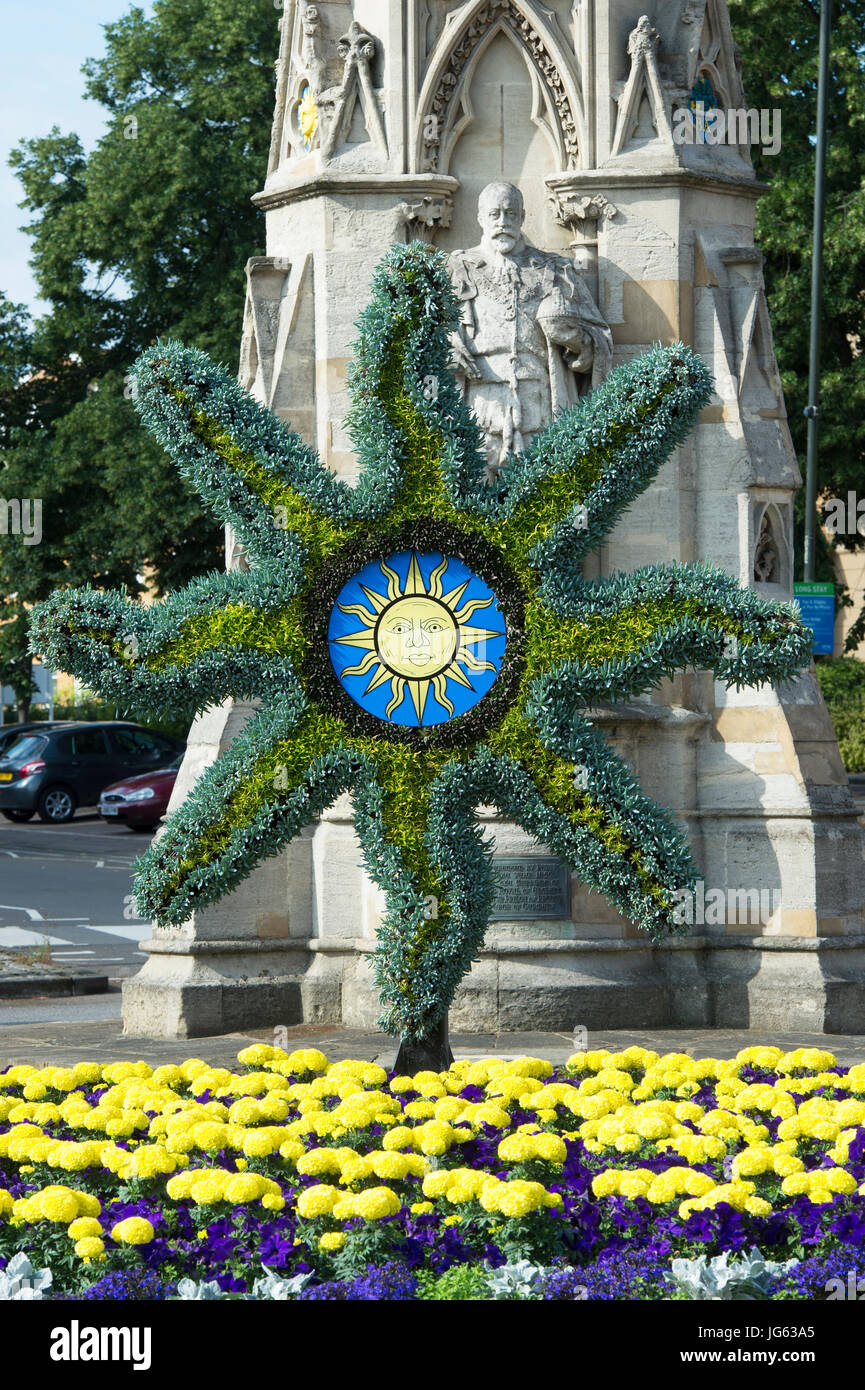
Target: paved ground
x,y
65,1031
71,886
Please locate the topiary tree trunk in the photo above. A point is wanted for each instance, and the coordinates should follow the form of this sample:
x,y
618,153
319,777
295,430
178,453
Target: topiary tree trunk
x,y
429,1053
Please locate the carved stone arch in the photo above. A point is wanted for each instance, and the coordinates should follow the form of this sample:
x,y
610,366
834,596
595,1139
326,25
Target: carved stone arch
x,y
444,108
461,113
713,53
771,542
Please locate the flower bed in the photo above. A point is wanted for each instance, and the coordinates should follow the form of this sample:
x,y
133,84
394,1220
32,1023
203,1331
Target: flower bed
x,y
619,1176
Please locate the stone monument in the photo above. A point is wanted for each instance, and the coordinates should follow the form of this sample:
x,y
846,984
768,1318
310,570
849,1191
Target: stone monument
x,y
402,121
530,332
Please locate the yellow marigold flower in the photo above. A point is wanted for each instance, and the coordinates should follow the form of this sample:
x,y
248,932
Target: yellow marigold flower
x,y
398,1084
256,1055
606,1184
489,1114
312,1059
436,1184
180,1186
421,1208
651,1126
512,1087
837,1180
517,1148
355,1170
390,1165
291,1150
449,1108
273,1201
318,1201
257,1143
318,1161
751,1163
627,1143
245,1187
246,1111
332,1240
210,1187
758,1206
376,1203
89,1248
34,1090
84,1226
434,1138
135,1230
7,1201
632,1185
790,1129
429,1084
419,1110
687,1110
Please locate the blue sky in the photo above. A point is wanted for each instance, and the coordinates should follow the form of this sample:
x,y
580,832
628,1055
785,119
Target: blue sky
x,y
41,85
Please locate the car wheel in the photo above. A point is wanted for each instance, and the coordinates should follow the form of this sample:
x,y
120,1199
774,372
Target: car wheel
x,y
19,816
56,804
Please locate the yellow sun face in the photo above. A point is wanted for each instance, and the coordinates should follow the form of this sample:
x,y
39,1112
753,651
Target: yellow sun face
x,y
417,637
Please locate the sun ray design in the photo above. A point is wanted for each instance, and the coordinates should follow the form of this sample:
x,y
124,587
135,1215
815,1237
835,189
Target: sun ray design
x,y
420,639
417,638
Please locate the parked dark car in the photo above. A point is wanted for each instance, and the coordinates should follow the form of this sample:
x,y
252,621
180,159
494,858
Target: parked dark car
x,y
141,801
53,773
10,733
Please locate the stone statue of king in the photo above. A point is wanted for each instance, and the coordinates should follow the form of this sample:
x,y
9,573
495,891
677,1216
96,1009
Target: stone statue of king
x,y
531,338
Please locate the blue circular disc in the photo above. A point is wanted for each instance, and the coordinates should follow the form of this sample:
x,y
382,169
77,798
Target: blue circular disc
x,y
416,639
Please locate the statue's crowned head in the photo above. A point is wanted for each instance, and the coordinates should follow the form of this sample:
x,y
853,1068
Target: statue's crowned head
x,y
500,214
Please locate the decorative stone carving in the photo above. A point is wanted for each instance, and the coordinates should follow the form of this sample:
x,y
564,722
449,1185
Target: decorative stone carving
x,y
531,337
313,63
435,118
424,218
766,558
644,79
582,214
771,542
357,51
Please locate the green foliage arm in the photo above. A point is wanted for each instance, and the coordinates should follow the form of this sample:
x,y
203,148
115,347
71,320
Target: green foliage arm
x,y
226,634
598,457
635,629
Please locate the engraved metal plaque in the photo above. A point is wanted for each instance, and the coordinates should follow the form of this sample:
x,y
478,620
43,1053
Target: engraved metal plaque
x,y
531,888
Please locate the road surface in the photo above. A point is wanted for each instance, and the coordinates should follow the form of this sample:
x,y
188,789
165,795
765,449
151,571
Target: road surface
x,y
72,886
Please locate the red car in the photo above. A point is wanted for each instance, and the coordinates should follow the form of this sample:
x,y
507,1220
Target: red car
x,y
140,801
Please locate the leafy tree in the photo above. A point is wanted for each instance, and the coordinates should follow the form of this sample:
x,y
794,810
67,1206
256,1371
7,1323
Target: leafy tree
x,y
145,237
779,59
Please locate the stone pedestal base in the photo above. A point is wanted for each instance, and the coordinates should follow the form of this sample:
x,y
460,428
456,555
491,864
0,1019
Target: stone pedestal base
x,y
788,984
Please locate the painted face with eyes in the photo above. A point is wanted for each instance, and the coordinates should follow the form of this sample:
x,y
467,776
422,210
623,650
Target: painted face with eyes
x,y
417,637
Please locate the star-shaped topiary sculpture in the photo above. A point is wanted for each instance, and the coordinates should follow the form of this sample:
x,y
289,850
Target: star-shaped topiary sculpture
x,y
422,640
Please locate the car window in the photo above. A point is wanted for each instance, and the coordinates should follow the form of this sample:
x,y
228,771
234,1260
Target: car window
x,y
138,743
89,743
63,746
25,746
